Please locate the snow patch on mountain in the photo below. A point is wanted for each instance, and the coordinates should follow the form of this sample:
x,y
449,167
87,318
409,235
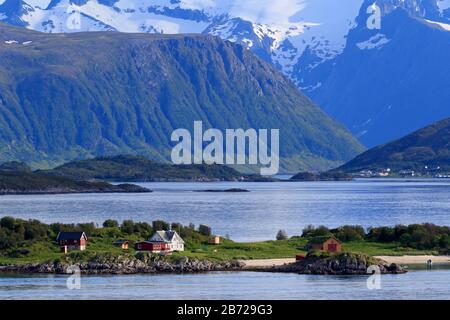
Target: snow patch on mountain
x,y
278,30
443,5
376,42
295,35
444,26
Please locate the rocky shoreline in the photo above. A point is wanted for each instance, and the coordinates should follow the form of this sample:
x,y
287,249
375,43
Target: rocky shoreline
x,y
124,265
104,188
342,264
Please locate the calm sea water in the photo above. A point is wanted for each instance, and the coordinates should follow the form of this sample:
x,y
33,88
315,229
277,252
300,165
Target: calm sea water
x,y
256,215
236,285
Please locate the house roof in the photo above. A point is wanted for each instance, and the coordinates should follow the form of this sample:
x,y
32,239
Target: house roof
x,y
166,236
322,239
70,236
121,241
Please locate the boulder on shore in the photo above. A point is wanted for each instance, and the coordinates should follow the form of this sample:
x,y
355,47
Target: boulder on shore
x,y
124,264
338,264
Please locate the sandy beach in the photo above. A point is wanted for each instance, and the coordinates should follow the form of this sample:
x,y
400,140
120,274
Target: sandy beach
x,y
263,263
414,259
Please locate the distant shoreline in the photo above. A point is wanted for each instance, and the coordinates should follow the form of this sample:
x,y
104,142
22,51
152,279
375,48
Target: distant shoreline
x,y
420,259
406,259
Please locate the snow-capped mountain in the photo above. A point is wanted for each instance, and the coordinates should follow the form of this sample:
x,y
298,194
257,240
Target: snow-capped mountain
x,y
296,35
308,40
279,31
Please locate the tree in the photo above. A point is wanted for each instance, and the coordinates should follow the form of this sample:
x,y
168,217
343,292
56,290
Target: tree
x,y
176,226
282,235
205,230
143,228
110,224
127,226
310,231
349,233
160,225
88,228
8,223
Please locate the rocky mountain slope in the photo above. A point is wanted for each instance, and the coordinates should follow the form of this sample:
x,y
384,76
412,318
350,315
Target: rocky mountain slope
x,y
75,96
381,83
388,82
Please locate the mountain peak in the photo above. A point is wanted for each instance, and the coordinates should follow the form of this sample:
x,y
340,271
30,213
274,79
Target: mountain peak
x,y
78,101
13,12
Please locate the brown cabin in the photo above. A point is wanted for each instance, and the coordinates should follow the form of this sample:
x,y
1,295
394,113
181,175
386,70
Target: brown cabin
x,y
328,244
72,241
214,240
123,244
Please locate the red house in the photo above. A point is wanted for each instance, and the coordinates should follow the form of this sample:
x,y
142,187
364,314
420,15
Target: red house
x,y
72,241
152,246
162,241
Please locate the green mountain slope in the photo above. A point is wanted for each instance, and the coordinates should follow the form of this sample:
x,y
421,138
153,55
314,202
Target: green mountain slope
x,y
424,151
75,96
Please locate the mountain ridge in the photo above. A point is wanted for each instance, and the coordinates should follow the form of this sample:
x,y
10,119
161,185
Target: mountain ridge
x,y
310,41
425,151
63,99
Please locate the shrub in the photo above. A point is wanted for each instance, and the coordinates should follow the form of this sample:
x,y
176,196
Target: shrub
x,y
349,233
160,225
110,223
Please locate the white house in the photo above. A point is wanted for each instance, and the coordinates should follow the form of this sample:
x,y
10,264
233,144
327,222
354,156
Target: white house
x,y
172,240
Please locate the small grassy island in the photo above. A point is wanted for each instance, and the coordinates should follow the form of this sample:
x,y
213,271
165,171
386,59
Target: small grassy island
x,y
18,178
31,246
130,168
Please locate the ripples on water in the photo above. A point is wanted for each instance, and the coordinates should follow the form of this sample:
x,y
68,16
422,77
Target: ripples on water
x,y
226,285
252,216
245,217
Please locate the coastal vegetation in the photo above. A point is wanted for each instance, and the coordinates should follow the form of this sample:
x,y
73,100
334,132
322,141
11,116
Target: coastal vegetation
x,y
324,176
129,168
30,241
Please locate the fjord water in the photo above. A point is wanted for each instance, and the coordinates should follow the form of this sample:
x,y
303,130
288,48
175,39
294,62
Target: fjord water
x,y
254,215
422,284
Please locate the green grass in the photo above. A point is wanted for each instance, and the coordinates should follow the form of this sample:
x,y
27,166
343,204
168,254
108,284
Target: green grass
x,y
383,249
228,250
